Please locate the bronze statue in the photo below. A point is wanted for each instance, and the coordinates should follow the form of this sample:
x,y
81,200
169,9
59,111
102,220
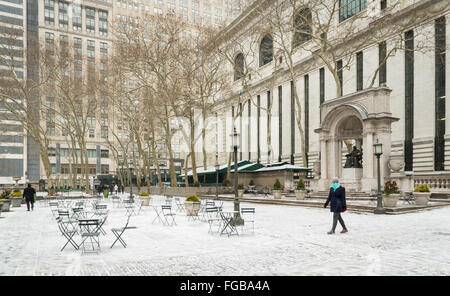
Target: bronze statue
x,y
354,159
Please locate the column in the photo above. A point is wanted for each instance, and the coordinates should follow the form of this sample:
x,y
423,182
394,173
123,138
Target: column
x,y
323,159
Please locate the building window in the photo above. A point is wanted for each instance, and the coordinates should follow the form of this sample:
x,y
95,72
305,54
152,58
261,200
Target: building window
x,y
440,118
349,8
104,133
382,63
63,14
383,4
359,71
266,50
409,99
340,76
90,20
302,26
238,67
76,17
103,22
91,133
280,122
49,12
104,153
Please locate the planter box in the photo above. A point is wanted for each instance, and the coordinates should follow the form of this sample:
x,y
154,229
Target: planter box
x,y
191,208
146,200
390,201
422,198
240,192
277,194
6,205
16,202
300,194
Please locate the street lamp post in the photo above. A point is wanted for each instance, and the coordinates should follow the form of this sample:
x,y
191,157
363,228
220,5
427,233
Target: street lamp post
x,y
235,144
378,151
217,177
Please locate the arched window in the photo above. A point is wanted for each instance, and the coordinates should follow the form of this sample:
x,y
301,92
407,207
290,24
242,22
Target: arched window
x,y
238,66
302,26
266,50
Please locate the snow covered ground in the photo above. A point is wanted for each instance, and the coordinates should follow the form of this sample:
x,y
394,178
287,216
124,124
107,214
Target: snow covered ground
x,y
288,240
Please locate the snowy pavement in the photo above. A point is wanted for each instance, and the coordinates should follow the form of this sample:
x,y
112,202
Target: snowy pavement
x,y
288,240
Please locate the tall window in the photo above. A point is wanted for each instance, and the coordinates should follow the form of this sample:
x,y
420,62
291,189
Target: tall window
x,y
302,26
258,111
76,17
103,22
49,12
306,80
266,50
63,14
359,71
321,88
349,8
440,50
238,67
280,122
382,62
340,76
90,20
409,99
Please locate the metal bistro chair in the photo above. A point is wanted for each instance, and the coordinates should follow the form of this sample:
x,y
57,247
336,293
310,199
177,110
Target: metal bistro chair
x,y
115,201
65,217
208,204
169,217
129,205
248,214
101,210
212,215
53,207
169,199
68,234
118,232
409,198
90,230
191,211
179,204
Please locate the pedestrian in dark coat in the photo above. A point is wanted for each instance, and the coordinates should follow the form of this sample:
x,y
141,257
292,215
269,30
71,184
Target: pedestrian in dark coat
x,y
338,205
123,189
28,194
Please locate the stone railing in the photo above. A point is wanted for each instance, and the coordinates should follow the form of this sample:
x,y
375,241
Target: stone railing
x,y
436,183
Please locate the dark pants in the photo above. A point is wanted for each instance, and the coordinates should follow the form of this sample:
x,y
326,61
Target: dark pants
x,y
30,201
337,216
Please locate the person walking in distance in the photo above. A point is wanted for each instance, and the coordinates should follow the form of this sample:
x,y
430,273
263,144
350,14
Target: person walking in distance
x,y
116,188
338,204
28,194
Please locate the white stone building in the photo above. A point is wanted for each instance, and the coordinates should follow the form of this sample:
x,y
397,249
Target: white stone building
x,y
400,103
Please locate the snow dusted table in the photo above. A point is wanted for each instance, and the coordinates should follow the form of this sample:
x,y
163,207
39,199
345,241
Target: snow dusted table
x,y
229,227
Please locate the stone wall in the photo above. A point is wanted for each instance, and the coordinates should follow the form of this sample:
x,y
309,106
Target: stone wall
x,y
187,191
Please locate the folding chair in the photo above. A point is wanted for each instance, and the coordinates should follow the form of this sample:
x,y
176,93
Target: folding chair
x,y
138,209
248,214
90,230
53,207
101,210
167,212
66,219
212,214
115,201
68,234
179,204
169,199
228,225
158,215
409,198
130,207
76,213
118,233
209,204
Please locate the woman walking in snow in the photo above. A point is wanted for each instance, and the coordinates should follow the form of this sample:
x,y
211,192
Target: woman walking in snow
x,y
338,204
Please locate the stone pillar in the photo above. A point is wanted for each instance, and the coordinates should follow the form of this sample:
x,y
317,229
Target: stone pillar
x,y
323,181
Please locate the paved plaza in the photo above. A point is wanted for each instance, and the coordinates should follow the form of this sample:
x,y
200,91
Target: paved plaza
x,y
288,240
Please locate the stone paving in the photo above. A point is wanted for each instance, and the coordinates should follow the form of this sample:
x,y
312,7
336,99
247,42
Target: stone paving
x,y
288,240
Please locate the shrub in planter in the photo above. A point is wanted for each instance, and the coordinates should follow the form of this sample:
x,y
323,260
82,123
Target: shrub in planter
x,y
422,194
251,183
191,208
391,194
5,200
240,190
196,184
300,190
16,199
277,189
145,198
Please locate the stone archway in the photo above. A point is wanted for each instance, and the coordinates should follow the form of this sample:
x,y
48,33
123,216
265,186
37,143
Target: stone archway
x,y
363,117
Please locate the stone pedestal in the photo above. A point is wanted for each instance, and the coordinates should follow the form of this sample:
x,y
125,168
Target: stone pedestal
x,y
405,182
351,178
